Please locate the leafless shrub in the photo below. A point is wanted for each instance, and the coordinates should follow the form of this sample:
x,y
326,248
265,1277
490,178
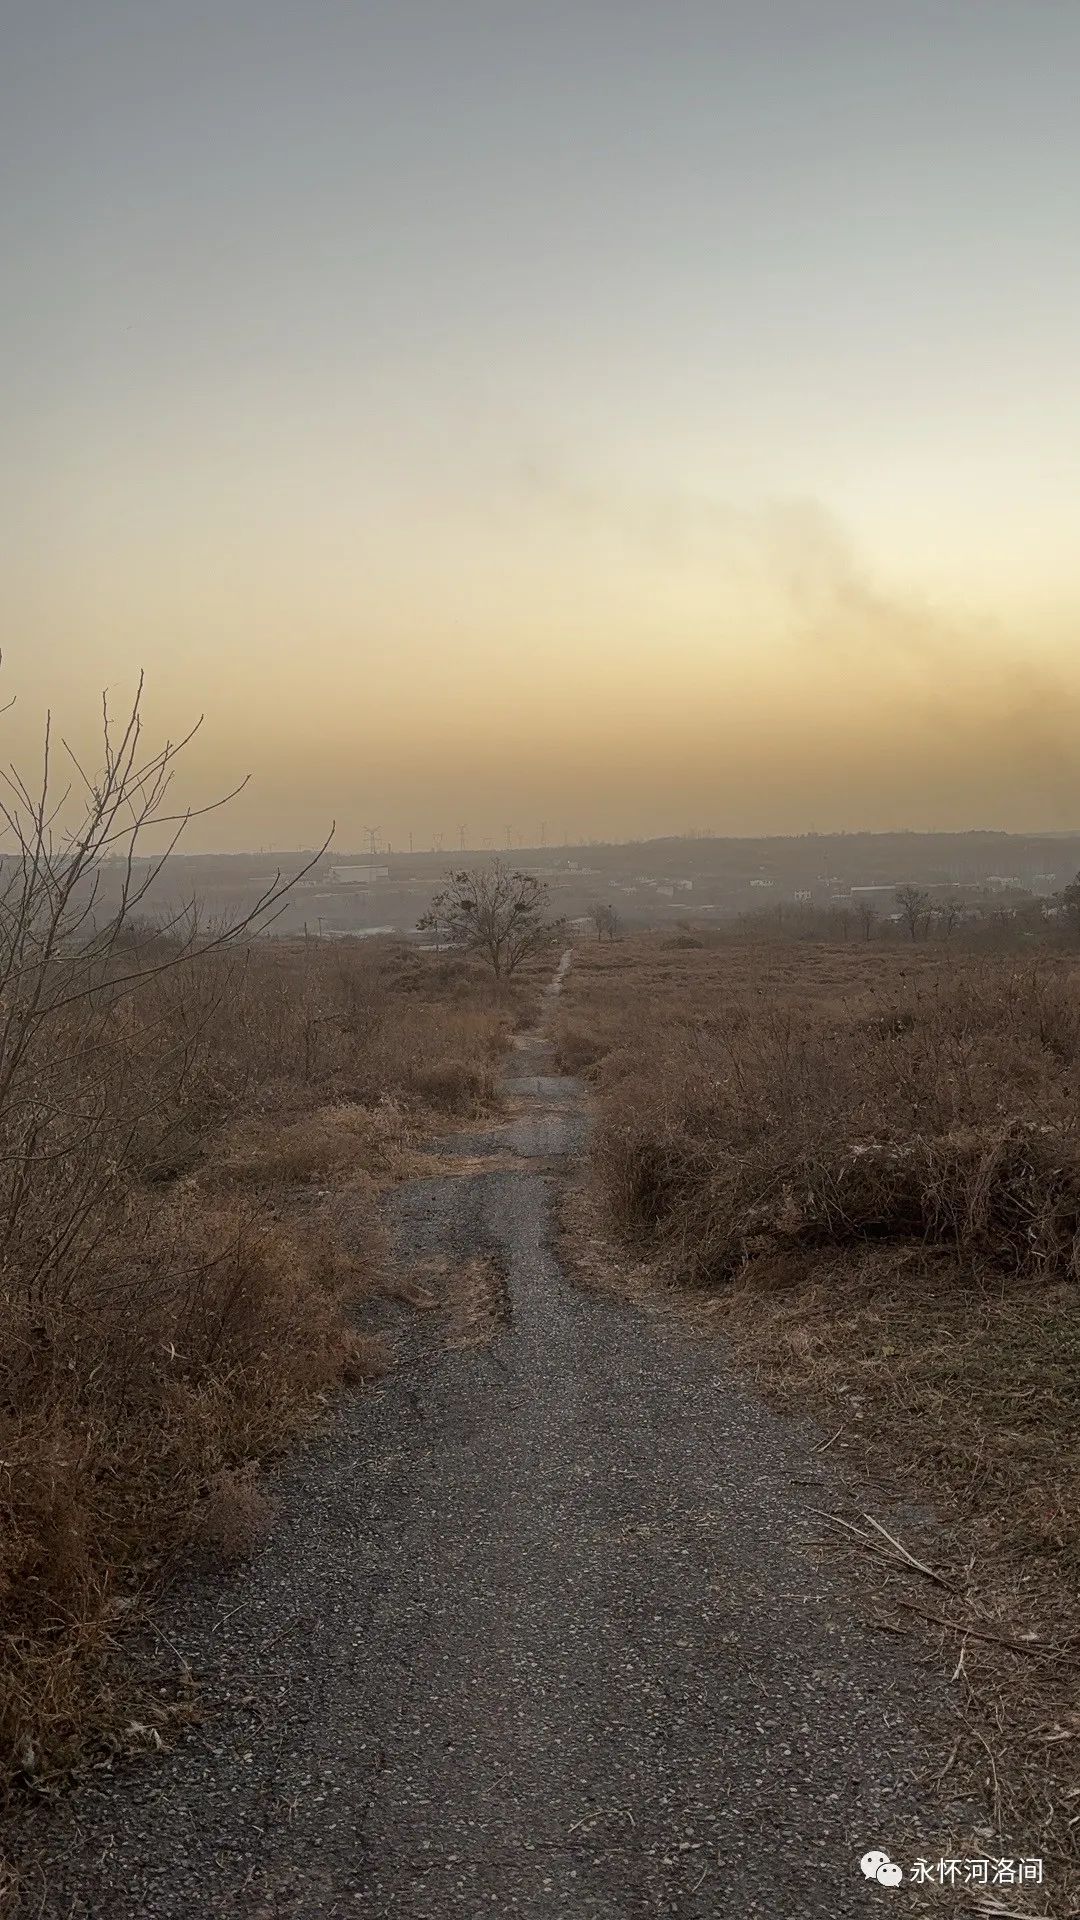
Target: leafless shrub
x,y
605,919
577,1045
166,1316
235,1512
456,1086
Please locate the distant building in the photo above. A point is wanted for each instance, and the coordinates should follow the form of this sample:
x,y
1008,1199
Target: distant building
x,y
1004,883
804,895
365,876
761,883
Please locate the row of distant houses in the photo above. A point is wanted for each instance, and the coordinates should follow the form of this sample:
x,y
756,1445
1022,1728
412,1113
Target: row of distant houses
x,y
366,875
883,892
667,889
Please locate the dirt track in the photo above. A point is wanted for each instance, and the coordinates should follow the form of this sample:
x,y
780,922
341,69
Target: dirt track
x,y
538,1632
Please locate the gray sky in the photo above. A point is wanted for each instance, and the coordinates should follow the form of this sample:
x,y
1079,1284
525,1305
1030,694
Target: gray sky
x,y
380,374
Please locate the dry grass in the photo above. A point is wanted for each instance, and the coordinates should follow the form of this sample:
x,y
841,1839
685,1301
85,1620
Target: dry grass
x,y
335,1144
773,1111
862,1167
178,1294
470,1296
479,1301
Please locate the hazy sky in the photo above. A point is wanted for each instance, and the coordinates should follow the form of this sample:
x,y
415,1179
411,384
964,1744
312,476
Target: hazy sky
x,y
621,415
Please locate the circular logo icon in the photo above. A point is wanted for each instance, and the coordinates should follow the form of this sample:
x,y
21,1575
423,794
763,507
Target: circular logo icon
x,y
872,1863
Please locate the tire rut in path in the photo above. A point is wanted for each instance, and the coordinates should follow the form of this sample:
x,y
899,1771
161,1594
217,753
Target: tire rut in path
x,y
537,1633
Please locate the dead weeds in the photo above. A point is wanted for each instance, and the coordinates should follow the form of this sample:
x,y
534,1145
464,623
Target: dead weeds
x,y
194,1180
471,1296
861,1170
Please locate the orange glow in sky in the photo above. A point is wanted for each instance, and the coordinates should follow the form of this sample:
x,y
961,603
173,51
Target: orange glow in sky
x,y
621,417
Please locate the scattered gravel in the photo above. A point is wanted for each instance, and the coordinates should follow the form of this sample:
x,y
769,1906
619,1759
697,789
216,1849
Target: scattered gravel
x,y
537,1632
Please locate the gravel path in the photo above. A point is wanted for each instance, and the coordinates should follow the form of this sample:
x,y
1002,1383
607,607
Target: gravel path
x,y
537,1633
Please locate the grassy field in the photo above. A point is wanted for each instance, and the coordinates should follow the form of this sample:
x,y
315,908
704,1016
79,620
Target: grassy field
x,y
181,1284
860,1166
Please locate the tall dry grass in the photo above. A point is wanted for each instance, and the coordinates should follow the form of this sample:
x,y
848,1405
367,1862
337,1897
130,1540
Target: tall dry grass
x,y
939,1106
169,1310
864,1166
166,1317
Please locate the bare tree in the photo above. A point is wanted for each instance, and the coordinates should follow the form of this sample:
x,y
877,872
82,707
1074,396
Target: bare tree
x,y
605,920
867,914
947,915
914,905
1069,903
494,911
93,1071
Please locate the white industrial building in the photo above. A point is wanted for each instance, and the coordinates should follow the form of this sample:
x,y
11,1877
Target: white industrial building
x,y
365,876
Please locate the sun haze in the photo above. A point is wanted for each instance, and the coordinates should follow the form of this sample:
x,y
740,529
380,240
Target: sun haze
x,y
618,416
